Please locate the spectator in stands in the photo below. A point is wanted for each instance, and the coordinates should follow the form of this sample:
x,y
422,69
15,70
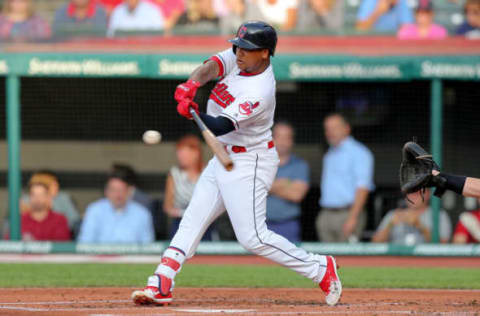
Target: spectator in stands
x,y
40,222
471,27
231,14
18,22
424,28
467,230
61,201
280,13
289,187
116,218
383,15
135,15
412,225
109,5
80,18
199,17
137,195
171,10
347,178
181,180
320,15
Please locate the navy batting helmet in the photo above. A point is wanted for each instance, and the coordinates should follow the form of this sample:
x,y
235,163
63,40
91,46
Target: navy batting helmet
x,y
255,35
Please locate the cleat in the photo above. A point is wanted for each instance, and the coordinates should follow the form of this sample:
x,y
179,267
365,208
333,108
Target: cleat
x,y
152,295
330,284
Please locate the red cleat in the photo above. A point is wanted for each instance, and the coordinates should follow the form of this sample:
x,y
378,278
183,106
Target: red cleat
x,y
330,284
157,292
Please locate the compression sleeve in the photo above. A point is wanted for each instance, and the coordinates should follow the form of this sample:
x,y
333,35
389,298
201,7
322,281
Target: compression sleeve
x,y
219,125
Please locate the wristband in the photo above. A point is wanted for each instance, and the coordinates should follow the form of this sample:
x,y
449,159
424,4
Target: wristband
x,y
454,183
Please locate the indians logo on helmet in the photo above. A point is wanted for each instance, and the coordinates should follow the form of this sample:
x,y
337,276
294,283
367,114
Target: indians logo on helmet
x,y
247,107
242,31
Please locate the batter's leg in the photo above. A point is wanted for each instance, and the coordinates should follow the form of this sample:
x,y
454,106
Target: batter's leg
x,y
206,205
244,193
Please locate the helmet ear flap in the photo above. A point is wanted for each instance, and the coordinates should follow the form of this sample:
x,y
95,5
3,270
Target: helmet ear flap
x,y
234,48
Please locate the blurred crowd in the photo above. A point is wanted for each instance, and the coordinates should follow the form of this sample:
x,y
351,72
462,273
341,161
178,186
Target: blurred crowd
x,y
126,214
20,21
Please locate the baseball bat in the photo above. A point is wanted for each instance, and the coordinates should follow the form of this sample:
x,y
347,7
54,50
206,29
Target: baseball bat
x,y
212,142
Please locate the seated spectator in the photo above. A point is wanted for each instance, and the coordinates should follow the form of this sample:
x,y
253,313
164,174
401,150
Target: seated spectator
x,y
137,195
181,181
467,230
116,218
424,28
80,18
171,11
231,14
383,15
471,27
289,187
40,223
199,16
320,15
109,5
135,15
18,22
412,225
280,13
61,201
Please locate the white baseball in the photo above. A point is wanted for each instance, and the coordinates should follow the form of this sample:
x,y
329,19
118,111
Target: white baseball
x,y
152,137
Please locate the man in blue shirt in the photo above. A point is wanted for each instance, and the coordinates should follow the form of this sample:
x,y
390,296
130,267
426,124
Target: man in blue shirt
x,y
383,15
289,188
116,218
347,178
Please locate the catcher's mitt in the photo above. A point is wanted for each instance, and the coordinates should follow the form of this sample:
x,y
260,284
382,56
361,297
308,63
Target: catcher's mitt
x,y
416,170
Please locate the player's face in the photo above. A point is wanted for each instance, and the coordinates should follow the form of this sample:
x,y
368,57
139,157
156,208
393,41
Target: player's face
x,y
118,192
283,138
39,198
251,60
336,129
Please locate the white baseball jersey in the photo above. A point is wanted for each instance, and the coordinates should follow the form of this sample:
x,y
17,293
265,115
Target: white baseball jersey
x,y
248,100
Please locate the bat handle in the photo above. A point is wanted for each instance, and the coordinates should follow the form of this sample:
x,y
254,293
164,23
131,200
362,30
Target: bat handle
x,y
197,120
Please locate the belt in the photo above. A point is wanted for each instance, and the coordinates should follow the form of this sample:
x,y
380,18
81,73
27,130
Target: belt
x,y
346,207
240,149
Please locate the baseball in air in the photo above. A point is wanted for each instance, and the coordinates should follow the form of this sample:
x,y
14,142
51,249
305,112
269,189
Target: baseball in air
x,y
152,137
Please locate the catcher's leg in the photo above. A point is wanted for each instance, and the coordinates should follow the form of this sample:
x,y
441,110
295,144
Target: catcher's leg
x,y
245,196
206,205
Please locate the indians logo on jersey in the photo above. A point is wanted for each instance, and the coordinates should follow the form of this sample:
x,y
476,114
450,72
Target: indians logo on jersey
x,y
221,96
247,107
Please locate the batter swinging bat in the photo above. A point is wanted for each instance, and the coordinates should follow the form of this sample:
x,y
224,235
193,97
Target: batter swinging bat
x,y
212,142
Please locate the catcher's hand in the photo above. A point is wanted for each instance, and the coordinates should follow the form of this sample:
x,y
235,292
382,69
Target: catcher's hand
x,y
416,170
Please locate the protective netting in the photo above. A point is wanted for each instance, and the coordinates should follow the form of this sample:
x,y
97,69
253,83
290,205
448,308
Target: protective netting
x,y
83,125
460,138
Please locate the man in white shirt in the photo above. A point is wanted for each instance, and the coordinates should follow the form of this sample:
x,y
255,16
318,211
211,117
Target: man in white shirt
x,y
135,15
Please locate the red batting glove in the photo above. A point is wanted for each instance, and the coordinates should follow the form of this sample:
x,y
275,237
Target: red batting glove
x,y
186,91
183,108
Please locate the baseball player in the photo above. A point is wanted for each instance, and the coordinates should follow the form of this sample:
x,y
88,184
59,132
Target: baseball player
x,y
466,186
240,113
418,171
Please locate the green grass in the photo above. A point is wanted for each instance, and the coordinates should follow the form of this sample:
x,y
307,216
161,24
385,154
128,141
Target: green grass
x,y
91,275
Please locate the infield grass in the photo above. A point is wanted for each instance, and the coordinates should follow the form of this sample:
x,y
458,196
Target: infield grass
x,y
135,275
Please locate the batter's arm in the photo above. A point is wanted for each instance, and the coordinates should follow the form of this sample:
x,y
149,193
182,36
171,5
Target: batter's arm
x,y
205,73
